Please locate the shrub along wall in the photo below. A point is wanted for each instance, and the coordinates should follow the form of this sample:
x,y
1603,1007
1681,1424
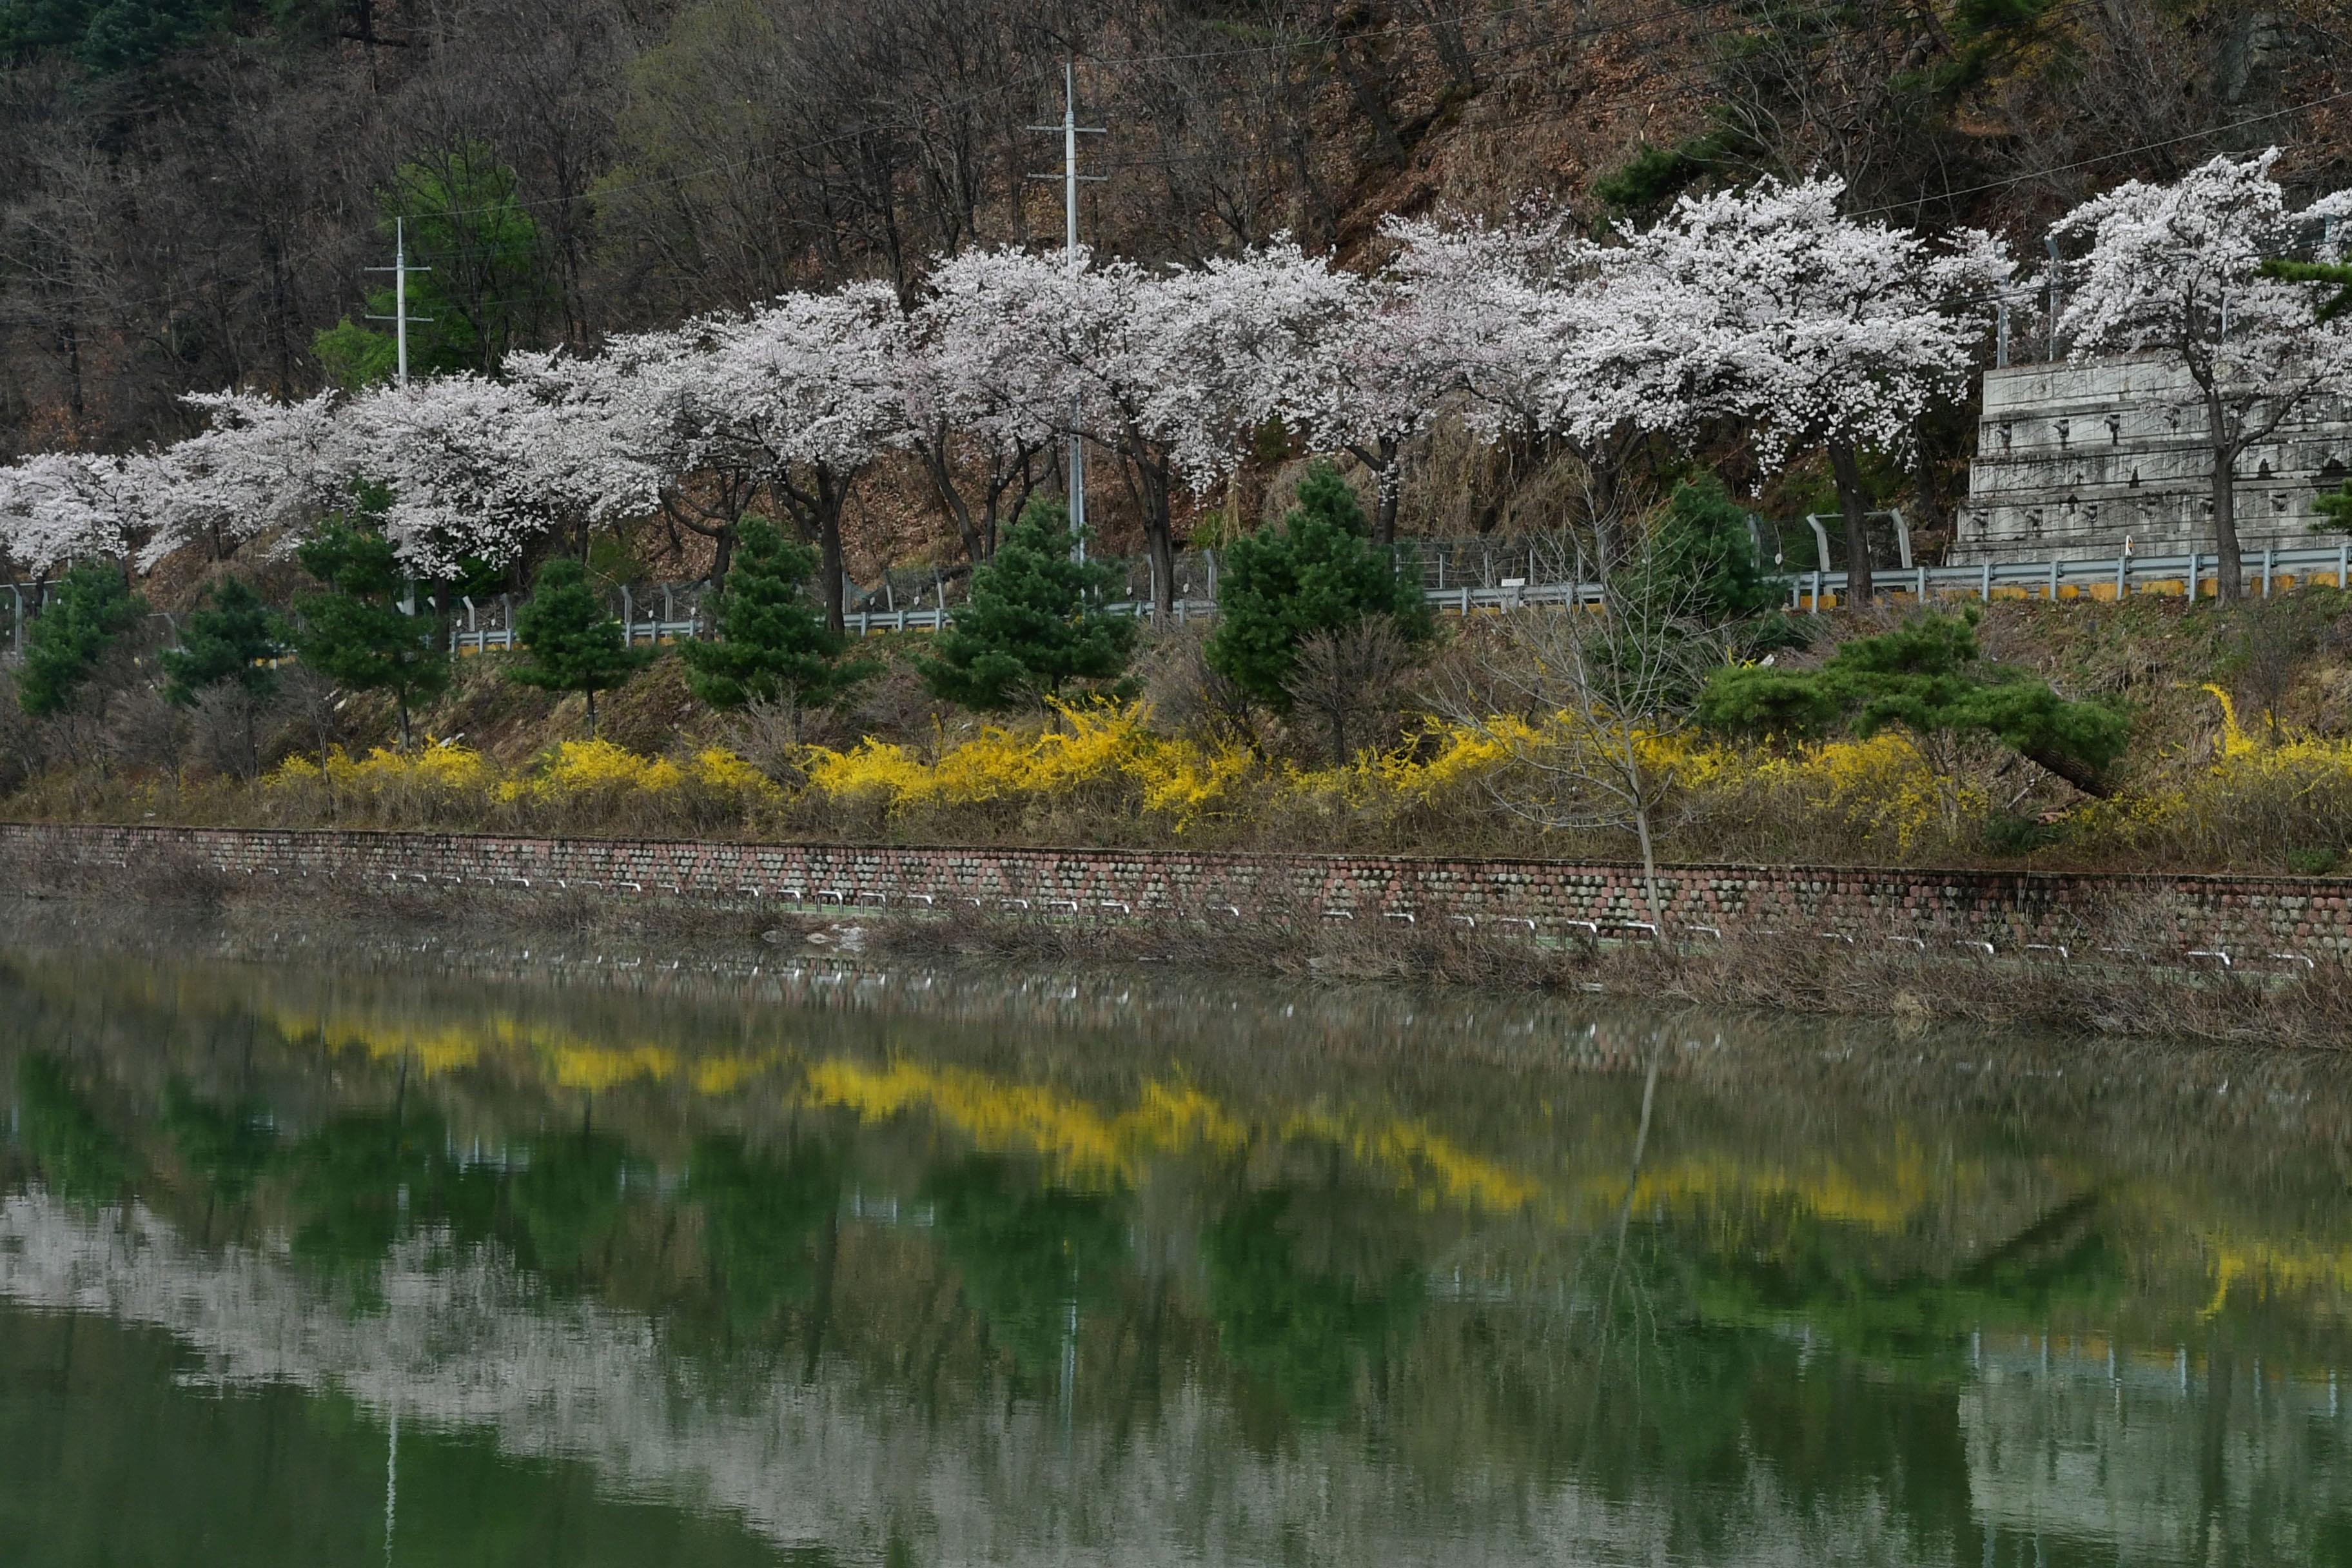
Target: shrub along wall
x,y
2252,920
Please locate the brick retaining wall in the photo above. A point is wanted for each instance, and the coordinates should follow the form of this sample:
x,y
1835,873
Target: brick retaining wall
x,y
2251,918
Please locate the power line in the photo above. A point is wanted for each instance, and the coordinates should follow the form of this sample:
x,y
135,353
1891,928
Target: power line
x,y
2018,178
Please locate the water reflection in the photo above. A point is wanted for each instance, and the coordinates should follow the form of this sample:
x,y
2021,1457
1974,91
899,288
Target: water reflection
x,y
834,1268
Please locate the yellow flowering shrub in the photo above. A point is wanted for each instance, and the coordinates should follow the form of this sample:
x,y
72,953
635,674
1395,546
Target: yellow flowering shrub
x,y
594,767
1104,749
579,782
385,785
2265,798
2256,801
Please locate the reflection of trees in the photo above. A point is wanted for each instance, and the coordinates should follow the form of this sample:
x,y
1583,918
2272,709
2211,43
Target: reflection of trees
x,y
1298,1331
2061,1260
761,1213
1843,1381
230,1146
78,1157
134,1461
1026,1251
566,1203
362,1182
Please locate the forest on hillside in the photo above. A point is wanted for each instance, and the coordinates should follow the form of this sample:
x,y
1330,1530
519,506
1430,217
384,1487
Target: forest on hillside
x,y
192,192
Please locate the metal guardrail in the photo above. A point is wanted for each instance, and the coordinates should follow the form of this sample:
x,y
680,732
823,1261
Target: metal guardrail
x,y
657,617
2195,574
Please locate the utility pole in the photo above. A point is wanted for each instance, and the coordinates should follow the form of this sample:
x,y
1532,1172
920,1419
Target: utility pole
x,y
400,317
1070,177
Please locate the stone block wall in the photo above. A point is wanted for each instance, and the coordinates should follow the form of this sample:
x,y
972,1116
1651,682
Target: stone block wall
x,y
2073,459
2252,919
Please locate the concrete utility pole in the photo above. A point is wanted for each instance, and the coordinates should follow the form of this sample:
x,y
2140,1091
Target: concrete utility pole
x,y
400,317
1071,131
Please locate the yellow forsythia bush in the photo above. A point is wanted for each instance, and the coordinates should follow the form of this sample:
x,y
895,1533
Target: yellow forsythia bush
x,y
1104,751
1102,766
580,783
2256,801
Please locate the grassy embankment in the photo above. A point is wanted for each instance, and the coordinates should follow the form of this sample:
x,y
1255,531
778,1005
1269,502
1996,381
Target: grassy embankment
x,y
2240,759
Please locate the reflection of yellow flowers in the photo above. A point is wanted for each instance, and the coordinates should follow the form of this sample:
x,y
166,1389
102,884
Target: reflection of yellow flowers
x,y
2273,1268
1422,1161
723,1075
992,1115
1090,1143
599,1068
572,1061
1886,1201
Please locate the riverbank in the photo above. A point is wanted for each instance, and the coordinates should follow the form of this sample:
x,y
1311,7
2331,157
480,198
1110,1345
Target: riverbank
x,y
2238,762
2245,959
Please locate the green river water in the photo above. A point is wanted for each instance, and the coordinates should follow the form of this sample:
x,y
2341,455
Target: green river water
x,y
459,1258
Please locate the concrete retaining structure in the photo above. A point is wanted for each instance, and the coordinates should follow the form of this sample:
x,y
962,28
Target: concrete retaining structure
x,y
2072,459
2265,921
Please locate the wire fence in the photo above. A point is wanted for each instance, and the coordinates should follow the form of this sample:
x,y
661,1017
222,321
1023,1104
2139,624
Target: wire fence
x,y
1458,576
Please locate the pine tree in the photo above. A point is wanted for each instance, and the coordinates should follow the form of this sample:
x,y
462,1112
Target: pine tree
x,y
230,639
774,641
1925,676
356,633
1028,630
1703,543
575,643
1320,572
88,610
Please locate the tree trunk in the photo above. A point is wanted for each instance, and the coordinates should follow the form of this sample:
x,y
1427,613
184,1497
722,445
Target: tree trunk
x,y
1650,876
402,700
2073,771
1381,456
2230,572
722,557
828,527
1159,534
1846,469
817,509
592,712
951,502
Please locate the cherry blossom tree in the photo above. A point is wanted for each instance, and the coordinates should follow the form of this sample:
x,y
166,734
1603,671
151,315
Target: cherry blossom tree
x,y
481,470
981,406
1535,328
1090,337
2177,270
58,507
658,403
1230,346
812,383
1069,334
1375,379
259,466
1822,330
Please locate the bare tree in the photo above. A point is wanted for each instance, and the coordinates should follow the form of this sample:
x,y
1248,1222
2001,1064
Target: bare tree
x,y
1586,703
1348,677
